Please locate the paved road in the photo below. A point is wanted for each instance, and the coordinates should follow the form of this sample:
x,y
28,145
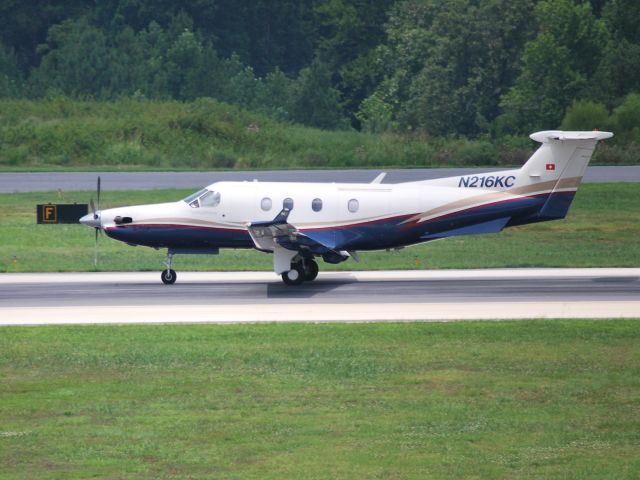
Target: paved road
x,y
86,181
347,296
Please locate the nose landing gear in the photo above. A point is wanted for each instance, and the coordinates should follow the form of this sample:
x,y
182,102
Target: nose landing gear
x,y
169,275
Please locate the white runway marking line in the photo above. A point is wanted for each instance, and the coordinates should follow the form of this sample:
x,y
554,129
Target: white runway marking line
x,y
170,314
361,276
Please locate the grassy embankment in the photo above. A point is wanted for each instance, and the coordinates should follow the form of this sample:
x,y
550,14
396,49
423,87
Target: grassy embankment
x,y
65,134
601,230
544,399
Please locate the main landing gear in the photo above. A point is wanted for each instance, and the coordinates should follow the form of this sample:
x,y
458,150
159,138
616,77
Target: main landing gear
x,y
304,270
169,275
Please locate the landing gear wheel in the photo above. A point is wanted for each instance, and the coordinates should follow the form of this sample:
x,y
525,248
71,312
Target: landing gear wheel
x,y
295,276
310,270
168,276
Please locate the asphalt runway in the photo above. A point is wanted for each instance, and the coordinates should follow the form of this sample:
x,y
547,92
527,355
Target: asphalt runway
x,y
86,181
350,296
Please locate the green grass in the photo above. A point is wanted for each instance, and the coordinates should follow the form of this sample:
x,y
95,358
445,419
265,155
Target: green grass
x,y
530,399
602,229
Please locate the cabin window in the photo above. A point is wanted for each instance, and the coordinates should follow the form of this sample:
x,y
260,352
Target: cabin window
x,y
210,199
287,203
353,205
316,204
266,204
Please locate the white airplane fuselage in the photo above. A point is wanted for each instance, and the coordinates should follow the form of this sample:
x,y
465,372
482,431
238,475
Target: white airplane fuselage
x,y
300,221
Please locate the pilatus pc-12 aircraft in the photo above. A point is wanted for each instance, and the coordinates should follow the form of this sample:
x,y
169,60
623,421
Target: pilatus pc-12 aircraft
x,y
297,222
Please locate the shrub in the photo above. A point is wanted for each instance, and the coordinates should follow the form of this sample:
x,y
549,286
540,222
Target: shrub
x,y
473,153
626,120
585,115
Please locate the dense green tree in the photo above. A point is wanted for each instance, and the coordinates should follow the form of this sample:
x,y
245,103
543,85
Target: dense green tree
x,y
557,65
264,33
347,33
184,58
469,67
618,72
446,64
153,43
273,95
24,25
397,61
441,68
76,60
10,76
128,72
314,101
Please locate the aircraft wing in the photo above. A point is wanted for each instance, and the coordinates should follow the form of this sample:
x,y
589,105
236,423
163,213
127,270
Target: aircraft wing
x,y
265,234
269,235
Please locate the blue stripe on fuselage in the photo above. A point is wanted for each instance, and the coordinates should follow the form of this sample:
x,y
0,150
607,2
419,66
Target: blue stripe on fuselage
x,y
180,236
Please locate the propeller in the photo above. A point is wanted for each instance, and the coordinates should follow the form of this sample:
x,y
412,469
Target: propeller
x,y
93,220
96,216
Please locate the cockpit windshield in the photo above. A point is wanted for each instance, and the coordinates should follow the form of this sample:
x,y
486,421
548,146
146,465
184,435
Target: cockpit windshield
x,y
193,196
203,198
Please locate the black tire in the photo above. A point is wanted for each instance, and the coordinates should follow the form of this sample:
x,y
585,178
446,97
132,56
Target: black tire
x,y
310,270
295,276
168,277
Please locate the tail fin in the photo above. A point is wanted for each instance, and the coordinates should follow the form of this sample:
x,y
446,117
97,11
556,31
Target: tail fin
x,y
557,167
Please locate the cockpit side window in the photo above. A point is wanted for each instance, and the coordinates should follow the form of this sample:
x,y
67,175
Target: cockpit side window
x,y
210,199
203,198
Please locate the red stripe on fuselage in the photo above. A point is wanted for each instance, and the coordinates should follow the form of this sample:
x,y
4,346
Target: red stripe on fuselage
x,y
167,225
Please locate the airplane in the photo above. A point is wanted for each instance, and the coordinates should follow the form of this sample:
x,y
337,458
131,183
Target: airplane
x,y
299,222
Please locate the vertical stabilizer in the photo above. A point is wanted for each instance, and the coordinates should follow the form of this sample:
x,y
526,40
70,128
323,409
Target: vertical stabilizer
x,y
556,169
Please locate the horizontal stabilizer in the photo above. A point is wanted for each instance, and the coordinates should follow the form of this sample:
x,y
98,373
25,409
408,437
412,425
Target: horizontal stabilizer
x,y
560,135
493,226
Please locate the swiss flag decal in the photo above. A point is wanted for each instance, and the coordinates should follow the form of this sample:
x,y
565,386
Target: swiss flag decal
x,y
551,166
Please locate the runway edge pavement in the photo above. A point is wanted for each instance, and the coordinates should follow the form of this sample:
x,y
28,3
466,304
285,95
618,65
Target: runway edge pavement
x,y
311,311
22,182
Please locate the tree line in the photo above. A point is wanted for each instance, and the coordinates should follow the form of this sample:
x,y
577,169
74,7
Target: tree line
x,y
470,68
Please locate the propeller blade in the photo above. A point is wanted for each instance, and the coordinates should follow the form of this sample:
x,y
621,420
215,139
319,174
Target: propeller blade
x,y
95,251
96,214
98,192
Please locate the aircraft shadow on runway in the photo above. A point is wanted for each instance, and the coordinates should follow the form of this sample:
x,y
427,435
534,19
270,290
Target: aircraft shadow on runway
x,y
306,290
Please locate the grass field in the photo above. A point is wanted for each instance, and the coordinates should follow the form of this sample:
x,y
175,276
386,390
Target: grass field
x,y
529,399
602,229
127,134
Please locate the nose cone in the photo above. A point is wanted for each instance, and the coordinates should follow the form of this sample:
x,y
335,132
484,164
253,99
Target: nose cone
x,y
91,220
